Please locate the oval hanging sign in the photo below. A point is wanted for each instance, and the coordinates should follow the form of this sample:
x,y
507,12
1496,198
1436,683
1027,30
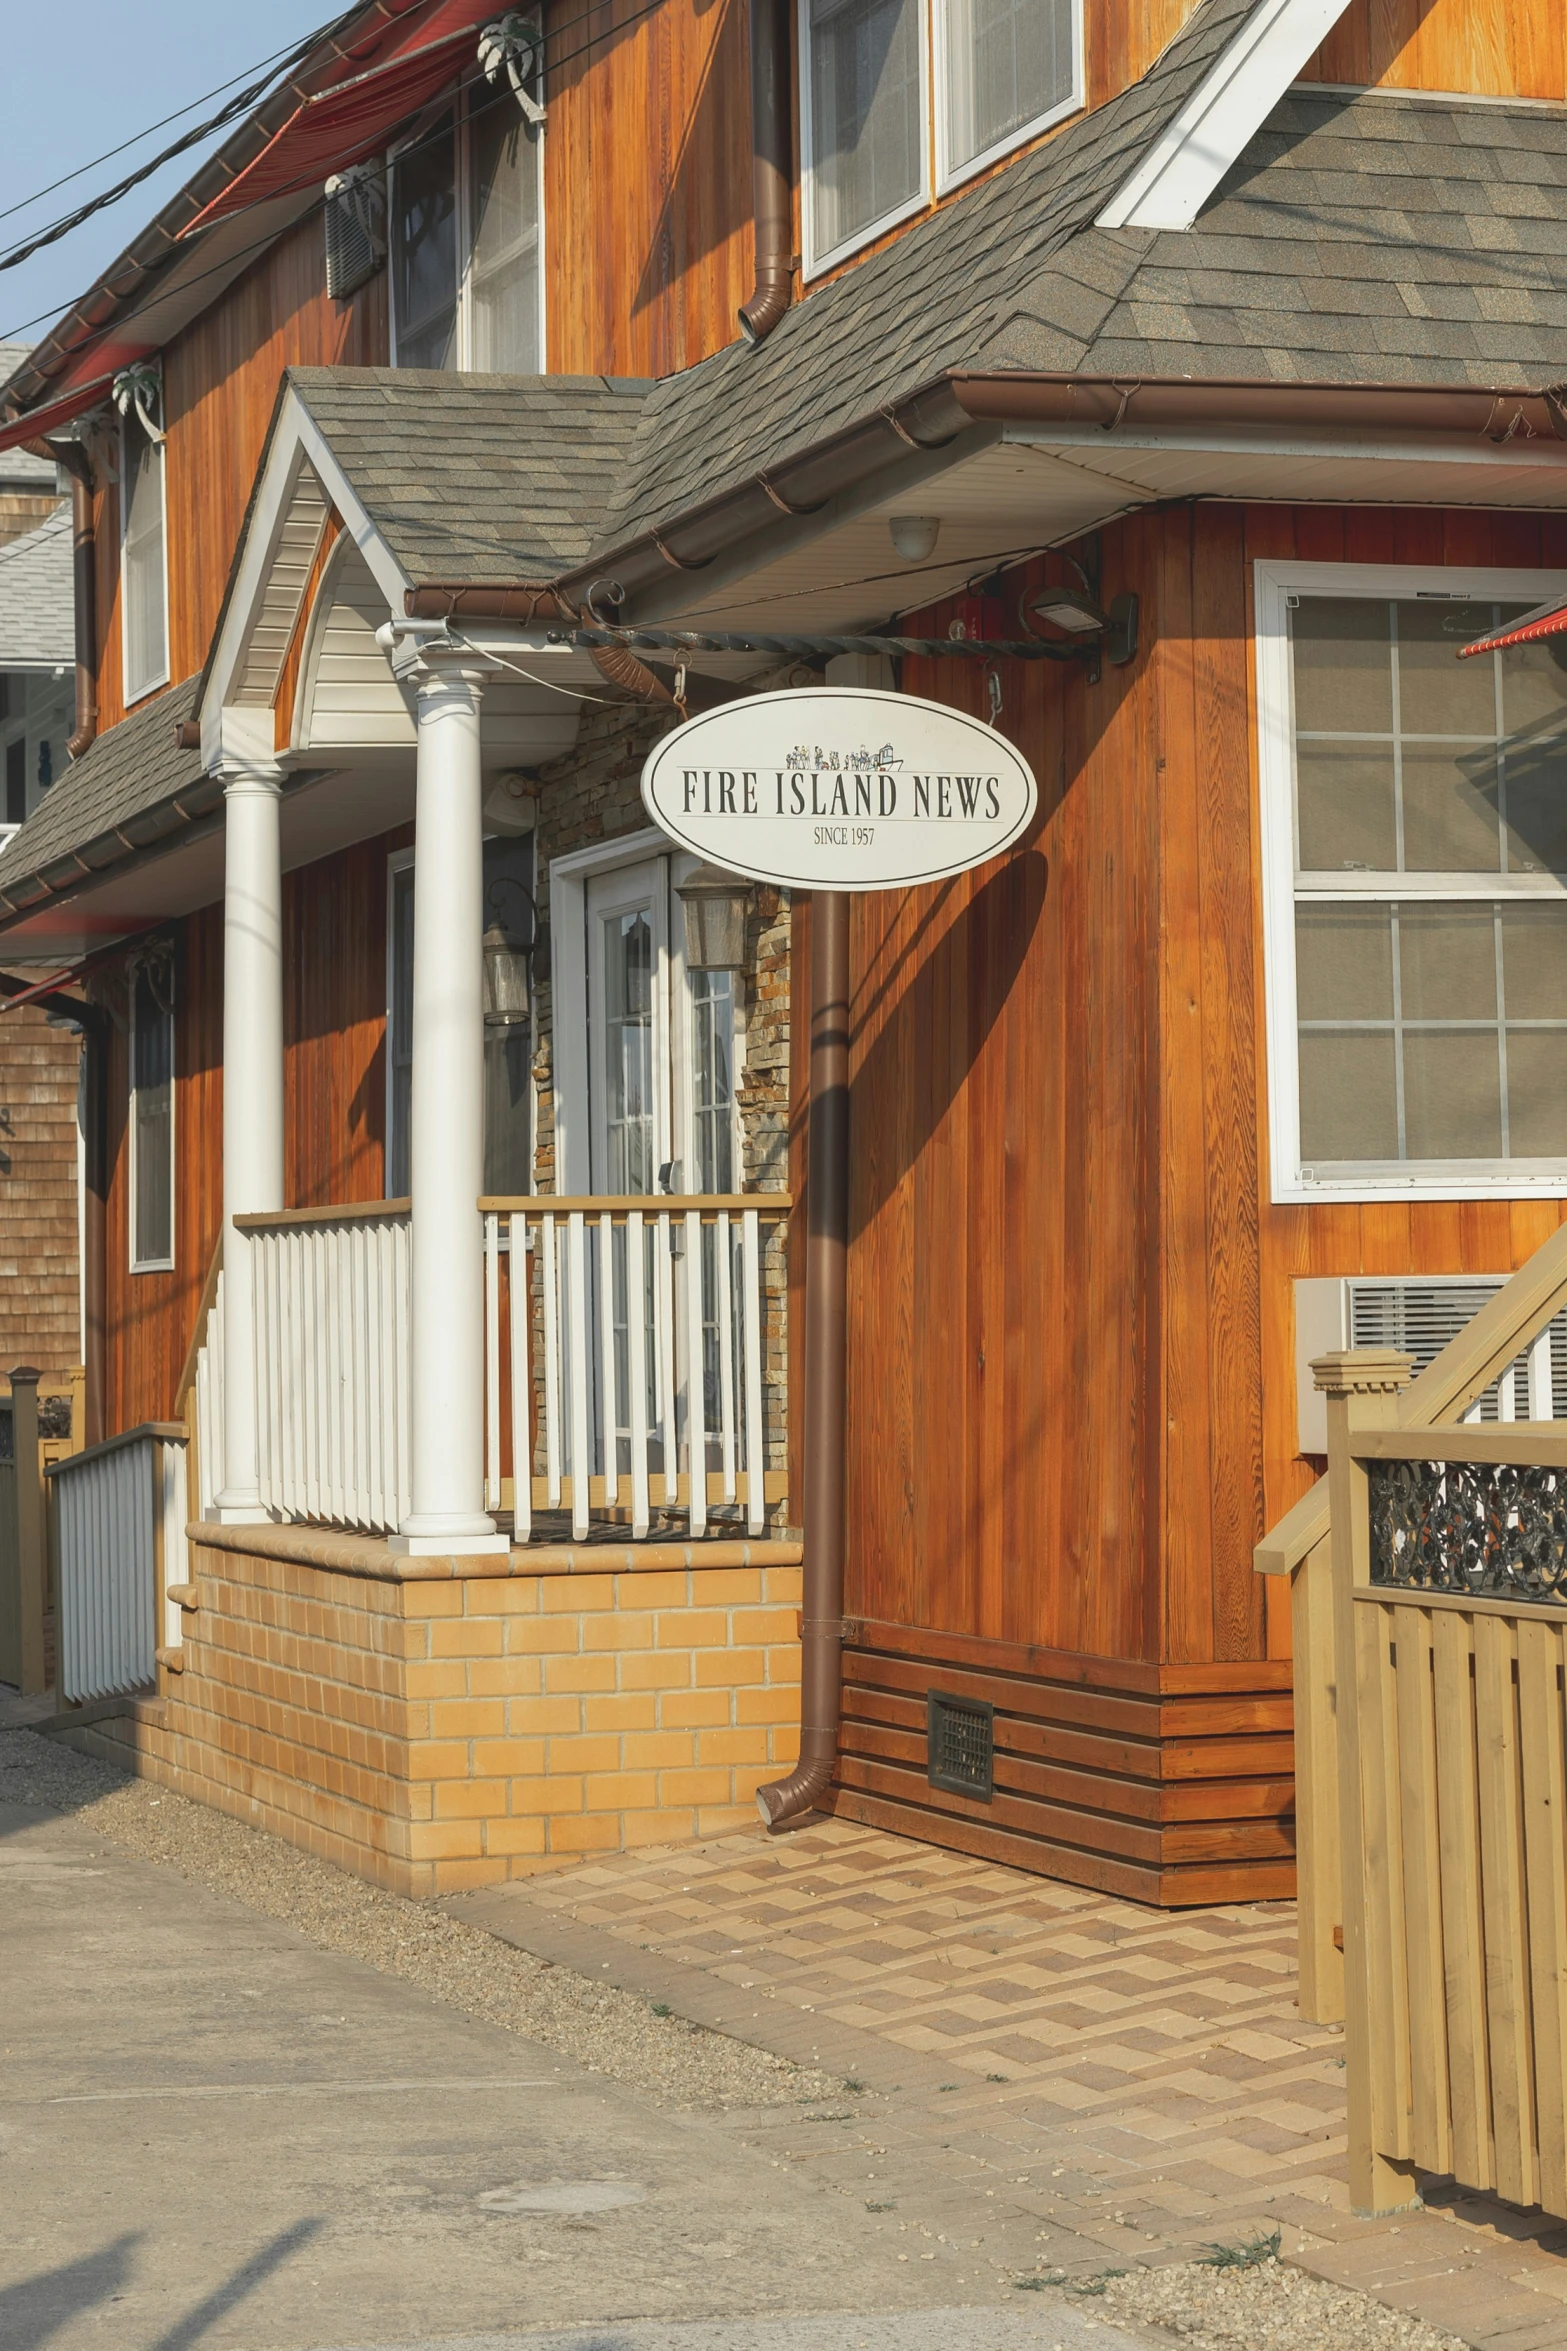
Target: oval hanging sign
x,y
839,788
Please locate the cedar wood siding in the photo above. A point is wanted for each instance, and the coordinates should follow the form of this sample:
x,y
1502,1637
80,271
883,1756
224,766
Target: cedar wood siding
x,y
1493,48
1071,1317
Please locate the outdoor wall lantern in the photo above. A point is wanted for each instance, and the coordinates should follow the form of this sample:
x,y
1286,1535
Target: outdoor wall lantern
x,y
1082,617
715,905
508,948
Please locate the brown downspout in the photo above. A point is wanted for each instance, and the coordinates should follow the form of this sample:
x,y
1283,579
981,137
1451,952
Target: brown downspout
x,y
84,574
826,1370
772,169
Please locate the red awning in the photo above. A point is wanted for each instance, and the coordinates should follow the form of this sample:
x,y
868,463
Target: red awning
x,y
1546,620
52,414
327,133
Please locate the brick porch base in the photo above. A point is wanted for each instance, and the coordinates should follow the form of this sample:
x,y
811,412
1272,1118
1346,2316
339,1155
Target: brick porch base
x,y
435,1724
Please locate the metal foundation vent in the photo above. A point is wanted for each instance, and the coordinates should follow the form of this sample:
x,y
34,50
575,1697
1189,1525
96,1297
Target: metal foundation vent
x,y
960,1745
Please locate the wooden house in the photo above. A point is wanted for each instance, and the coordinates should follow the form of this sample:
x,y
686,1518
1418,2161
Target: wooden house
x,y
634,358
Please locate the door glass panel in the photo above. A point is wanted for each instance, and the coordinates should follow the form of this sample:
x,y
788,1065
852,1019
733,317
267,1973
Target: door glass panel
x,y
628,1051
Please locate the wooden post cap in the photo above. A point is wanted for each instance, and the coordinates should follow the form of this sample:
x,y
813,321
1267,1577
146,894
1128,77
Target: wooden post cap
x,y
23,1374
1363,1371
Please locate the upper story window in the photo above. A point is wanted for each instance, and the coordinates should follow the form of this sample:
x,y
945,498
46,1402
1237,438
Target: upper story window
x,y
1415,842
144,594
992,72
466,206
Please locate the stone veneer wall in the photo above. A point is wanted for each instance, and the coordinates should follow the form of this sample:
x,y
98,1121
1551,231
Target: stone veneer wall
x,y
433,1731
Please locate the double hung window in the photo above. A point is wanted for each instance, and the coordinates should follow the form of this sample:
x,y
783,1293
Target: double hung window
x,y
1415,835
466,204
892,89
144,603
152,1117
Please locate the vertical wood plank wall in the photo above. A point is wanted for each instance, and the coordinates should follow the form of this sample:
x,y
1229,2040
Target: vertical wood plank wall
x,y
1490,48
334,1017
1072,1399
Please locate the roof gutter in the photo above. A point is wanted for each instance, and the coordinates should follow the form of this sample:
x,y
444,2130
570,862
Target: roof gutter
x,y
186,814
949,405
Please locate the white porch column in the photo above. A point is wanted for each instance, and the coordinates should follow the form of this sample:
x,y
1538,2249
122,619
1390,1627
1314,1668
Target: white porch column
x,y
446,1144
252,1096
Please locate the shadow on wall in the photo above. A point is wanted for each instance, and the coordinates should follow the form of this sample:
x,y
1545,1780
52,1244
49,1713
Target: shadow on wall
x,y
931,1010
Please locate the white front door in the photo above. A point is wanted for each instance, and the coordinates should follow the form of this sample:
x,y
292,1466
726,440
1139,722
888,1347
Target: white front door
x,y
629,1088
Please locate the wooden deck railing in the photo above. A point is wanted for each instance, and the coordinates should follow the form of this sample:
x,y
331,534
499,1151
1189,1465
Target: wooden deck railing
x,y
1300,1547
646,1370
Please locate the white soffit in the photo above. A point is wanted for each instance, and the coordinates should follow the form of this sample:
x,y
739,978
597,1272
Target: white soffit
x,y
1188,160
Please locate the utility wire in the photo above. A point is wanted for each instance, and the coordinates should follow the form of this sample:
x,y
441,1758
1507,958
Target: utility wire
x,y
240,103
413,147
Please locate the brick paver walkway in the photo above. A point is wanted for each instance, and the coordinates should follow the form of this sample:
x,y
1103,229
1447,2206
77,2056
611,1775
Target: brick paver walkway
x,y
1051,2079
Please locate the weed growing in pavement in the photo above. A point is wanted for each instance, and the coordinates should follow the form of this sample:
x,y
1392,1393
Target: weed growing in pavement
x,y
1038,2281
1251,2255
662,2008
1095,2285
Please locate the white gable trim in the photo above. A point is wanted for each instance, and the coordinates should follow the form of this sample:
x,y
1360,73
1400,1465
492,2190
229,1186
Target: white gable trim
x,y
228,723
1188,160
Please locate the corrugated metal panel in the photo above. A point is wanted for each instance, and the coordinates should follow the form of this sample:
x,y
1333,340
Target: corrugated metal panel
x,y
108,1569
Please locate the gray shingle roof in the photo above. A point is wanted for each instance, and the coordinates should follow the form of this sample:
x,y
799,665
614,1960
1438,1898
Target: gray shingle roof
x,y
477,478
127,774
1365,238
19,470
37,614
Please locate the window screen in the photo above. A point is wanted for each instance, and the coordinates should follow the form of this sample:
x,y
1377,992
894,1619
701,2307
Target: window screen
x,y
866,131
1008,63
146,646
1430,920
152,1120
424,249
504,278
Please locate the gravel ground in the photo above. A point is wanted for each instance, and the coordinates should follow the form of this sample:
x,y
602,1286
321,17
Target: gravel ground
x,y
607,2031
1267,2307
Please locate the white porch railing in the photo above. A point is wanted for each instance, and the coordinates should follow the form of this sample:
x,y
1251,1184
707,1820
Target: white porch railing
x,y
332,1364
121,1514
609,1408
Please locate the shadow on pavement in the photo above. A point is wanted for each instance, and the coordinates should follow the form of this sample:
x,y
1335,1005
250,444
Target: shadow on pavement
x,y
36,2308
246,2278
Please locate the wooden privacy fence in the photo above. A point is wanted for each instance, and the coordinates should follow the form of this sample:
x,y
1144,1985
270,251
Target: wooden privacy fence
x,y
29,1558
646,1369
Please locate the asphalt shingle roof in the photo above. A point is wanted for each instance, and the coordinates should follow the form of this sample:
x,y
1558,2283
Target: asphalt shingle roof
x,y
477,478
37,610
19,469
131,770
1361,238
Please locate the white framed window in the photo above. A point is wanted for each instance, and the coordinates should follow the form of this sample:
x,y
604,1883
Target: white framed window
x,y
144,570
465,213
1005,71
884,82
152,1116
1414,853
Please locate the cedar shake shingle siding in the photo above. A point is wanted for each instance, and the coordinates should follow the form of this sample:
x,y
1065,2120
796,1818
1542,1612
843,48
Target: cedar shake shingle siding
x,y
39,1299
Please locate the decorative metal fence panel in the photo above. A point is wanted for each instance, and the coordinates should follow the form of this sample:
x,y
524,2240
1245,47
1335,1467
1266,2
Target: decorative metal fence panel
x,y
121,1517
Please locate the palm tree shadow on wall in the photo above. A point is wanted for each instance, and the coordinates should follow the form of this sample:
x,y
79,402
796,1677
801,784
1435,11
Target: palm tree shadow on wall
x,y
932,1003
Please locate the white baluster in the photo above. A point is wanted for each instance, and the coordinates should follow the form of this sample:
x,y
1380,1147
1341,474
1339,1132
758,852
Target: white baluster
x,y
751,1307
551,1274
664,1344
577,1349
521,1384
492,1360
636,1367
607,1400
1541,1400
696,1402
404,1367
726,1360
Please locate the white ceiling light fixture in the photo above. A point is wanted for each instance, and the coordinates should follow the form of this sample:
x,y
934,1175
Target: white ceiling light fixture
x,y
915,535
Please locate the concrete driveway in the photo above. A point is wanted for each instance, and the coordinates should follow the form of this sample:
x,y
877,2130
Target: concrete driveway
x,y
214,2133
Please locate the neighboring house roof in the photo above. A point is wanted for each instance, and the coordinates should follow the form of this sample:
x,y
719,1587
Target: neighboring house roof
x,y
37,613
477,478
1368,238
115,798
19,469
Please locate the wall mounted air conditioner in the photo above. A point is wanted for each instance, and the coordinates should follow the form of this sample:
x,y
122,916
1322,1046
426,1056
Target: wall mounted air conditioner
x,y
355,228
1418,1314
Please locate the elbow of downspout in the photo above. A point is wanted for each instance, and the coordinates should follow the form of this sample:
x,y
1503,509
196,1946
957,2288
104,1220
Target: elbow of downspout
x,y
771,167
781,1801
85,584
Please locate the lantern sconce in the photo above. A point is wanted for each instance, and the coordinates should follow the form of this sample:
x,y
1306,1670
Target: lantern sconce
x,y
509,937
715,905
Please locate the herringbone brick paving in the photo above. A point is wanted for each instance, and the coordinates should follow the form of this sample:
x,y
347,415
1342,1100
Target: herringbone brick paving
x,y
1052,2078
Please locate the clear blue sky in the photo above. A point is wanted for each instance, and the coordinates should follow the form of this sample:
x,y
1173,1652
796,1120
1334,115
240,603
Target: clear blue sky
x,y
80,79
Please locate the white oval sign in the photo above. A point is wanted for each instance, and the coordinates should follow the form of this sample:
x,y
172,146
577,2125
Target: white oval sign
x,y
839,788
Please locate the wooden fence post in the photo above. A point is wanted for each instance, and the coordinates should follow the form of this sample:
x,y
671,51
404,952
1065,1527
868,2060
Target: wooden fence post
x,y
1362,1386
31,1550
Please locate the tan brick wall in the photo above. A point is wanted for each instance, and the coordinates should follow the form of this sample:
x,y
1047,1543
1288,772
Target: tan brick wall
x,y
437,1735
